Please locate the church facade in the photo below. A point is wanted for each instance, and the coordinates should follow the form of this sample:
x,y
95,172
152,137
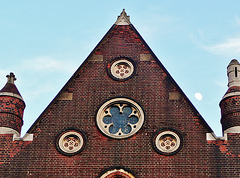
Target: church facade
x,y
121,115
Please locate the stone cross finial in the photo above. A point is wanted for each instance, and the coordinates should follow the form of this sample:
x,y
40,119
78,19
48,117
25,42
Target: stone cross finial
x,y
11,78
123,19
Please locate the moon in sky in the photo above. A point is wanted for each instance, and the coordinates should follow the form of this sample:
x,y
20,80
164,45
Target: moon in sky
x,y
198,96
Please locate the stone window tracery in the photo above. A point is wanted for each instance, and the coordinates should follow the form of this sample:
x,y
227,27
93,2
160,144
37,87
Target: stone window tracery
x,y
122,69
70,142
120,118
167,142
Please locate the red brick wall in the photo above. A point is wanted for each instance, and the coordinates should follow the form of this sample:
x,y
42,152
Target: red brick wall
x,y
91,87
224,155
11,112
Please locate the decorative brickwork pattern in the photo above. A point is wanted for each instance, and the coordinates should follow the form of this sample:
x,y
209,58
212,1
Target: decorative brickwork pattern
x,y
230,108
11,112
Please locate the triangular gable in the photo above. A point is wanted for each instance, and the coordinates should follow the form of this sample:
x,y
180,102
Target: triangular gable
x,y
99,54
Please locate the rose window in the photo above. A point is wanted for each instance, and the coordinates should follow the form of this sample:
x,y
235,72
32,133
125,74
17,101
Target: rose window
x,y
121,69
120,118
167,142
70,142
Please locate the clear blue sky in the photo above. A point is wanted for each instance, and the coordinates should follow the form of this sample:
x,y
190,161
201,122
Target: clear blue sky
x,y
44,42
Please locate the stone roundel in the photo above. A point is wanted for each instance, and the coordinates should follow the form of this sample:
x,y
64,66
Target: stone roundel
x,y
70,142
122,69
120,118
167,142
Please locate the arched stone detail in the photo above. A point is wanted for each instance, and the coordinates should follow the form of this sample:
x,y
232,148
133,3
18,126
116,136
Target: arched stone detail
x,y
117,173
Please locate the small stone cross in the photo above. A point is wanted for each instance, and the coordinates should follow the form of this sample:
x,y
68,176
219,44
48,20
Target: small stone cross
x,y
11,78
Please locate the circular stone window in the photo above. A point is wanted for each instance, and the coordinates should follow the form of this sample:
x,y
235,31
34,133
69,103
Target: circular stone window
x,y
120,118
167,142
70,142
121,69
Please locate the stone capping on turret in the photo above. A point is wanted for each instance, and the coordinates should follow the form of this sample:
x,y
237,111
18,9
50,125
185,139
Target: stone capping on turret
x,y
26,137
231,94
123,19
212,136
233,73
233,62
235,129
11,94
16,135
7,130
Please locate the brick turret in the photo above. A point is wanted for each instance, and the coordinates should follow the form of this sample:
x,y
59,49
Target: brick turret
x,y
230,103
11,108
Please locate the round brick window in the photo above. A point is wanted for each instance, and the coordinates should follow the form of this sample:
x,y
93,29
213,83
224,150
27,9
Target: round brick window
x,y
70,142
167,142
121,69
120,118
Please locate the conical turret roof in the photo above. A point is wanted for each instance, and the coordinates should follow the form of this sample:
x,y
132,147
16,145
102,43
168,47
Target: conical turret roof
x,y
10,88
233,62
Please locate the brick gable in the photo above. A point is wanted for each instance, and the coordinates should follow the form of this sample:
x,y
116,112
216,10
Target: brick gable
x,y
75,107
